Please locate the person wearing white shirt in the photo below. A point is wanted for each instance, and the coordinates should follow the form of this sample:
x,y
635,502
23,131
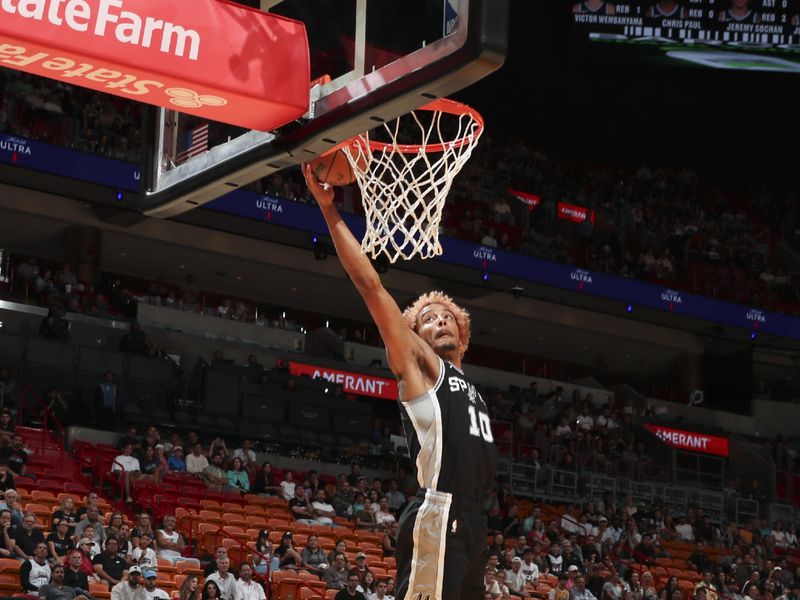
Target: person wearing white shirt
x,y
246,588
246,454
196,462
150,589
585,420
515,578
127,467
685,530
490,582
287,486
224,580
144,555
322,509
529,568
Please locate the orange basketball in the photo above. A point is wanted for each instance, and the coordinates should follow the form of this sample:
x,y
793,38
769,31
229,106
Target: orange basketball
x,y
333,168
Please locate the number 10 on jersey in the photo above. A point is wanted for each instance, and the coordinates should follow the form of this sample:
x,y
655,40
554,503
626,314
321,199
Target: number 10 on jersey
x,y
479,424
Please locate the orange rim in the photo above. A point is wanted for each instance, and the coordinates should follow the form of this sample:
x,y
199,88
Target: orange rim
x,y
443,105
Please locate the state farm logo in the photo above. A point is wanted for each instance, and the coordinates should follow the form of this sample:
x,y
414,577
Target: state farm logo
x,y
756,315
14,145
269,205
582,277
672,296
485,254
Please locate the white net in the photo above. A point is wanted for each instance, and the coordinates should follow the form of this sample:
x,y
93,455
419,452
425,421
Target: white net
x,y
404,186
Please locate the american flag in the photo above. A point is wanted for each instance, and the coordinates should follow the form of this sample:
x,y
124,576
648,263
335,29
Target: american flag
x,y
192,143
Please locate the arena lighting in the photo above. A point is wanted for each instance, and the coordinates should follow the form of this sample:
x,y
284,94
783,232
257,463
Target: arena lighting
x,y
119,196
314,239
753,335
629,308
486,277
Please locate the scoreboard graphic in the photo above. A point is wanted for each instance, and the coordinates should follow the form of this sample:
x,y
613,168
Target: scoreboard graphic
x,y
758,35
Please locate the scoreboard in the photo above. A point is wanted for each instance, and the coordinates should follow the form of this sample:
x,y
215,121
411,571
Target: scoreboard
x,y
727,34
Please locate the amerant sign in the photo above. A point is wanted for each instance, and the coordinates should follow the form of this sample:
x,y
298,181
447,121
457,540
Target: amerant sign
x,y
690,440
352,383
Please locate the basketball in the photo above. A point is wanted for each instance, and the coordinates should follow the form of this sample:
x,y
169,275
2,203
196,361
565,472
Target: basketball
x,y
333,168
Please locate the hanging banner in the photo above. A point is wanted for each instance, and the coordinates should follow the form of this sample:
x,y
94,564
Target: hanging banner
x,y
531,200
209,58
360,384
574,213
690,440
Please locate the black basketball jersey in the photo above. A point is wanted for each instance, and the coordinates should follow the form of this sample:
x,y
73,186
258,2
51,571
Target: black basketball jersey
x,y
449,437
750,17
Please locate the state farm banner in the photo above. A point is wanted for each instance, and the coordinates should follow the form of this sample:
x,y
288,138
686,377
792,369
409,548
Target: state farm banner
x,y
690,440
210,58
352,383
531,200
574,212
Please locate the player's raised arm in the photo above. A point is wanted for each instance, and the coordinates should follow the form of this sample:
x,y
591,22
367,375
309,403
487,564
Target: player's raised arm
x,y
402,345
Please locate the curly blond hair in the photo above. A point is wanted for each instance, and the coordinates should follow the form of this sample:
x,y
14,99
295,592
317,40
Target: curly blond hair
x,y
411,313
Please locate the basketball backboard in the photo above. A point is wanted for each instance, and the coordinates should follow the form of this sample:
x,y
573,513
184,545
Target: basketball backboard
x,y
371,61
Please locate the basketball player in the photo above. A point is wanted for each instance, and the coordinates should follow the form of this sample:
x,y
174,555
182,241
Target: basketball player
x,y
739,12
441,539
666,9
597,7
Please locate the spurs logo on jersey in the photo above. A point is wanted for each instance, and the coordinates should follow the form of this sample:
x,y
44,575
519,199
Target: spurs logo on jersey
x,y
450,437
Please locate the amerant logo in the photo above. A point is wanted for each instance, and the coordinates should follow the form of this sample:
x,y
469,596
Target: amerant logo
x,y
484,253
756,315
581,276
672,296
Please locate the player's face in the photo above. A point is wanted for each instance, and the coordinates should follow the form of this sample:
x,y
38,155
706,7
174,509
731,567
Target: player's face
x,y
741,3
437,327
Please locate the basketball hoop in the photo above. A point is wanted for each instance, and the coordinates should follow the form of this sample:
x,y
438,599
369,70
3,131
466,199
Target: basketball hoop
x,y
404,186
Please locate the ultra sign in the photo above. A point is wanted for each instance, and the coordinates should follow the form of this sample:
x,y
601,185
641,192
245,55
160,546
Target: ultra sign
x,y
210,58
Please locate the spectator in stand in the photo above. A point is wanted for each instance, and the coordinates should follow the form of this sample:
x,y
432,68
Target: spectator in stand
x,y
127,468
189,589
555,562
246,455
396,498
35,570
383,516
364,517
580,592
109,567
335,576
246,588
322,510
66,513
151,466
698,559
27,538
15,456
290,558
85,546
516,580
529,568
6,423
343,499
492,588
264,560
176,464
238,477
381,588
350,591
301,507
313,556
143,555
74,576
224,579
389,541
170,543
135,341
684,529
59,543
144,524
288,486
6,478
265,481
151,591
131,588
215,476
105,401
707,584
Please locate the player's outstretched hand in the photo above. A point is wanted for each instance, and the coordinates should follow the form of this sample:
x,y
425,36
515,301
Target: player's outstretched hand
x,y
323,192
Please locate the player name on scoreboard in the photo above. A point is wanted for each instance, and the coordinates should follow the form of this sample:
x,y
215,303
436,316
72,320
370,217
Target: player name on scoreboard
x,y
772,23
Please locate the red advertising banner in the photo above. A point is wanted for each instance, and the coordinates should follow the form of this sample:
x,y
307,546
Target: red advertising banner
x,y
352,383
574,213
532,200
690,440
210,58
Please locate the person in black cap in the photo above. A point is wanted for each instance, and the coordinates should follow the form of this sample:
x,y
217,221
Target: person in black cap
x,y
290,558
262,560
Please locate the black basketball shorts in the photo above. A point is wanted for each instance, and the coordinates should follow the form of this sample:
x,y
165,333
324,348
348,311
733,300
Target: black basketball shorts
x,y
441,549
